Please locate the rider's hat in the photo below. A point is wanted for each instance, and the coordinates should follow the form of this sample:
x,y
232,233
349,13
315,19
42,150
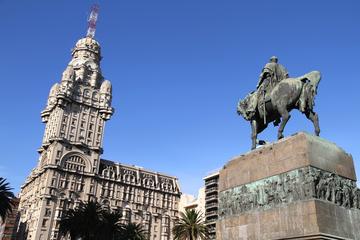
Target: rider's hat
x,y
273,59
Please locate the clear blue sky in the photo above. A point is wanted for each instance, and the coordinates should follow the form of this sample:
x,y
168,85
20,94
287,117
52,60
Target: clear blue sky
x,y
178,69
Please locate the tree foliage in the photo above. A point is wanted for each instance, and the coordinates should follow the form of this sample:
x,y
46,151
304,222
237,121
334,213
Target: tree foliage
x,y
132,231
190,226
6,197
91,221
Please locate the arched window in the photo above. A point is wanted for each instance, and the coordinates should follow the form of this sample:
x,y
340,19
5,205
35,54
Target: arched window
x,y
109,172
129,178
166,186
95,96
148,182
76,163
86,93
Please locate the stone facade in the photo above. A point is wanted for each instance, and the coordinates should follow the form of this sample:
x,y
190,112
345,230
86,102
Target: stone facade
x,y
301,187
70,168
9,227
188,202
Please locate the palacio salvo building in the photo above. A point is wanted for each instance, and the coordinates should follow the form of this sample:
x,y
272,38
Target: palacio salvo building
x,y
70,168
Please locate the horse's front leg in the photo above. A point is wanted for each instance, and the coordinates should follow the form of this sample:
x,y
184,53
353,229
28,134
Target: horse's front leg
x,y
285,116
313,116
253,133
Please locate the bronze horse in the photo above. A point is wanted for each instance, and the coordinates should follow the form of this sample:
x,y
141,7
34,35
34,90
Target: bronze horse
x,y
291,93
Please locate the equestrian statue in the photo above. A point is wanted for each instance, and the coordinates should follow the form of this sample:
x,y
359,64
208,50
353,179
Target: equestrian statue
x,y
276,95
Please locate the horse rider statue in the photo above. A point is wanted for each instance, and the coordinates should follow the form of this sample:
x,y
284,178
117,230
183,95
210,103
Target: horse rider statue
x,y
276,95
272,73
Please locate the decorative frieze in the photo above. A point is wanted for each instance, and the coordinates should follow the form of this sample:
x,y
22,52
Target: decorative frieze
x,y
300,184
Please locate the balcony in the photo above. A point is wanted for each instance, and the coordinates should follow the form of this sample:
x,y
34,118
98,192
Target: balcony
x,y
211,213
211,189
211,205
211,182
211,218
211,197
212,230
210,223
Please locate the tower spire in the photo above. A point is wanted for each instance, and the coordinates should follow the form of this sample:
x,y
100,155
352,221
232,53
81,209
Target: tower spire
x,y
92,21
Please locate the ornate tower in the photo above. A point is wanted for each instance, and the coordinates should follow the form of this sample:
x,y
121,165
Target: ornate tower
x,y
76,112
70,169
75,116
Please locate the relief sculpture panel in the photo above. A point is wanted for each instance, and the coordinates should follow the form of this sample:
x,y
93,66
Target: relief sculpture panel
x,y
300,184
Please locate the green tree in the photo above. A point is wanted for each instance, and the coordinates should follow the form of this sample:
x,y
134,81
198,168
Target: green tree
x,y
6,197
90,221
132,231
111,226
190,226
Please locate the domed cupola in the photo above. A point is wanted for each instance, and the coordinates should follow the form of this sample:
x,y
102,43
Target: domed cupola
x,y
88,48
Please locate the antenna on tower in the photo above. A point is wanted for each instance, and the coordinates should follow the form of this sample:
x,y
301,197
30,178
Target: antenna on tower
x,y
92,21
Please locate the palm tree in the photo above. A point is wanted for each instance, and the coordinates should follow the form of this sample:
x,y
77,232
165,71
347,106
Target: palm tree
x,y
90,213
132,231
84,222
68,224
90,221
190,226
110,227
6,197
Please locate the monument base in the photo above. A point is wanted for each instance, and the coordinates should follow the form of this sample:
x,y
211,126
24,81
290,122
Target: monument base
x,y
311,219
301,187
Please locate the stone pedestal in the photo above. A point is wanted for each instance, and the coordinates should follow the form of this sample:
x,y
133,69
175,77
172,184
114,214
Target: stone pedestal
x,y
301,187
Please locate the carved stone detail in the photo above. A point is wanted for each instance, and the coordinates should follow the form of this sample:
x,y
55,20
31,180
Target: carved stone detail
x,y
300,184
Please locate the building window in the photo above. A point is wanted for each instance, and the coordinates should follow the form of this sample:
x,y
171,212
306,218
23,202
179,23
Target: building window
x,y
58,153
47,212
53,182
44,223
65,120
76,163
80,187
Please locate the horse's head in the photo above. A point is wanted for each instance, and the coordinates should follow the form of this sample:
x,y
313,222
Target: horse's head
x,y
314,78
247,107
311,81
242,105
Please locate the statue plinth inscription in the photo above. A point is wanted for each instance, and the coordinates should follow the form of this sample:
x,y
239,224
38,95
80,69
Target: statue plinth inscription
x,y
301,187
